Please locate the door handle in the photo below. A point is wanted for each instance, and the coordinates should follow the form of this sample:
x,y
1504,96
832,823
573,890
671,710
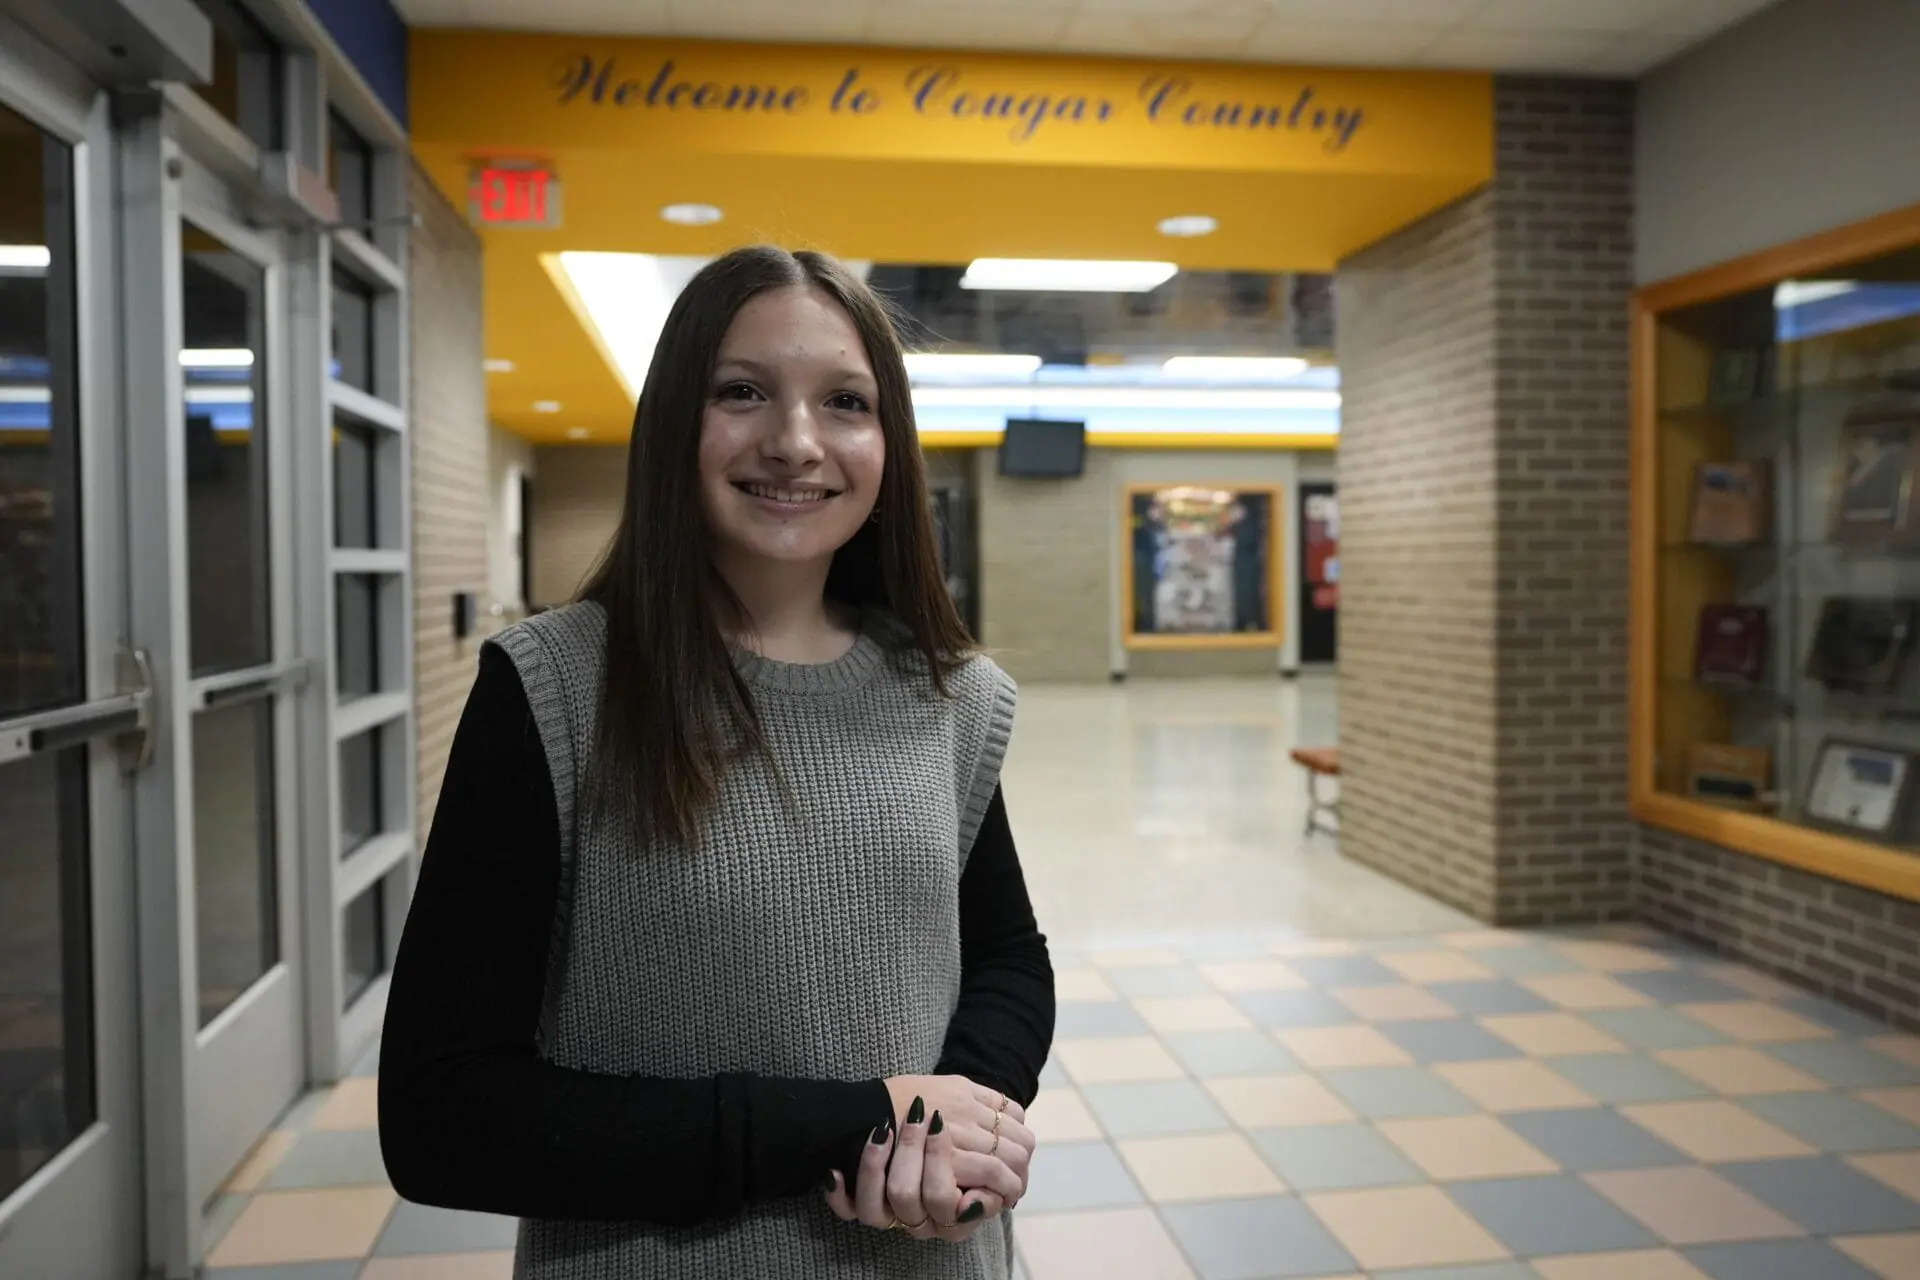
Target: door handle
x,y
127,717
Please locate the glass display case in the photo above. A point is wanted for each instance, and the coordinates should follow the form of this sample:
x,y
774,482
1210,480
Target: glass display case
x,y
1777,556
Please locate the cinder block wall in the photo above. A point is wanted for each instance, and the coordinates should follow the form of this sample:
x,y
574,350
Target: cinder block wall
x,y
1482,466
448,436
1046,595
577,492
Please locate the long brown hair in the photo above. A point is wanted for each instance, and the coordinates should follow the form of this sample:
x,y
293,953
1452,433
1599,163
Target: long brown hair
x,y
672,692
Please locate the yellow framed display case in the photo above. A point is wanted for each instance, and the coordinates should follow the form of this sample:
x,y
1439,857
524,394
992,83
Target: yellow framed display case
x,y
1775,543
1201,566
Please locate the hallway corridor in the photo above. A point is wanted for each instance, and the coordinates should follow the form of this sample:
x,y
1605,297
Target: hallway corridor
x,y
1272,1063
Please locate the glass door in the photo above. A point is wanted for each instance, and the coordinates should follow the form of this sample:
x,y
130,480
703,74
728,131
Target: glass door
x,y
73,709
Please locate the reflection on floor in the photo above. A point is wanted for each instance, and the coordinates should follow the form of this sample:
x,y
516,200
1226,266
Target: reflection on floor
x,y
1273,1064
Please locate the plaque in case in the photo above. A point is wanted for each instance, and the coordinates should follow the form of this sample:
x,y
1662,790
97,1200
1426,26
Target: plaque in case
x,y
1731,645
1860,643
1732,503
1878,455
1861,787
1726,774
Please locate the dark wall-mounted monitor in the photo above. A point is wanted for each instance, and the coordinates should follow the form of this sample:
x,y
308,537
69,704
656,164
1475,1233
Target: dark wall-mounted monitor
x,y
1039,449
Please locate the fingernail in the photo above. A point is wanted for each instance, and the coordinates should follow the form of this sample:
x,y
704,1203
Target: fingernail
x,y
973,1212
829,1182
917,1112
935,1127
880,1133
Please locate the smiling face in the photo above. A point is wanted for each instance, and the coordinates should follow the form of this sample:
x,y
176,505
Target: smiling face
x,y
791,447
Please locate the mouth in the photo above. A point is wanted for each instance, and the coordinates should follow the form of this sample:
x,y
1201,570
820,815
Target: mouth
x,y
786,495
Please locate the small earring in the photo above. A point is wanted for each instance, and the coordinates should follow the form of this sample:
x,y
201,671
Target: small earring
x,y
874,516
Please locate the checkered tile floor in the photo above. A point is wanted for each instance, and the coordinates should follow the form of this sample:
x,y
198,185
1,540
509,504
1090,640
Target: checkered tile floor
x,y
1478,1106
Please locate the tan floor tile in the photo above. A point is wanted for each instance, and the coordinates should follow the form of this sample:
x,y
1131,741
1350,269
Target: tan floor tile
x,y
1456,1148
1436,966
1518,1085
1061,1115
1123,1059
1114,1244
262,1160
1642,1264
1082,984
1745,978
1739,1070
1401,1002
305,1226
1278,1102
444,1266
1756,1022
353,1104
1484,940
1307,948
1136,958
1715,1131
1551,1035
1354,1046
1216,1166
1405,1227
1192,1013
1254,975
1584,991
1613,957
1904,1103
1691,1206
1894,1257
1902,1048
1898,1169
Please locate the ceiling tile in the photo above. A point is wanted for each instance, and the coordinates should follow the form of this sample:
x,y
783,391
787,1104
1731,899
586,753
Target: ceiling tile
x,y
1569,15
1421,13
1211,33
1697,18
767,20
977,27
886,8
1514,50
1347,43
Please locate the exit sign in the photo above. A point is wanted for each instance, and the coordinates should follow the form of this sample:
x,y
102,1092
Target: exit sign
x,y
514,196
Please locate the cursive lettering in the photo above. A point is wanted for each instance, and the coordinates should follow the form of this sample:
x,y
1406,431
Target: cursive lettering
x,y
668,90
933,92
1170,100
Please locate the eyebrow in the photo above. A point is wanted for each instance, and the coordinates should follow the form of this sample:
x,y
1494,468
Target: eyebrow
x,y
846,373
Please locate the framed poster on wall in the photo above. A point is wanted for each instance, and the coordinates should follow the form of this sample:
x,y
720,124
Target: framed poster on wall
x,y
1318,541
1202,567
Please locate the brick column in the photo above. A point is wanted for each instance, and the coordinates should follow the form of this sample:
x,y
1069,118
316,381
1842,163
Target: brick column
x,y
1483,352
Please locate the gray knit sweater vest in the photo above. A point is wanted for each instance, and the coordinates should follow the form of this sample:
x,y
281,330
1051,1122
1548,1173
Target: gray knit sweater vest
x,y
814,934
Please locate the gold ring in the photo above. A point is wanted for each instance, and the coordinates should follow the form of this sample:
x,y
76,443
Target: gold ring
x,y
994,1149
1003,1104
996,1126
910,1226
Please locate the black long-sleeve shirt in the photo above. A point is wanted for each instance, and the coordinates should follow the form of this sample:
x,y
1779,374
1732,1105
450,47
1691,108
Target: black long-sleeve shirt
x,y
472,1117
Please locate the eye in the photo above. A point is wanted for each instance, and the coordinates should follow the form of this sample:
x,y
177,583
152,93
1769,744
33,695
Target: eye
x,y
738,392
849,402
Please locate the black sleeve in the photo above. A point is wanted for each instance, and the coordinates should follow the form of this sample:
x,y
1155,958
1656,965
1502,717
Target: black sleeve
x,y
1003,1028
472,1118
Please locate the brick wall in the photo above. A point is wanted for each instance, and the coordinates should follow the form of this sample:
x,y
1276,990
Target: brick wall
x,y
1482,481
577,492
448,428
1046,591
1856,946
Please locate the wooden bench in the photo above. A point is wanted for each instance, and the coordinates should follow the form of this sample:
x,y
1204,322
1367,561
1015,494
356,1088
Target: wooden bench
x,y
1320,762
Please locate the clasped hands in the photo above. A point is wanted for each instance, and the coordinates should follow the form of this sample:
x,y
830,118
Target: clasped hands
x,y
958,1157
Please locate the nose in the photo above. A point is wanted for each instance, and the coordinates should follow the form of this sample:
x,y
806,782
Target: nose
x,y
796,440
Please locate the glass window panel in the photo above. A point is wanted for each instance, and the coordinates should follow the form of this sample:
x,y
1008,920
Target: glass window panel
x,y
46,984
350,171
224,365
352,332
235,880
360,790
355,488
40,658
246,86
364,956
357,634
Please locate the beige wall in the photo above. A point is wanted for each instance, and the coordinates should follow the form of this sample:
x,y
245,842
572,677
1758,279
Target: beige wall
x,y
577,492
509,458
448,434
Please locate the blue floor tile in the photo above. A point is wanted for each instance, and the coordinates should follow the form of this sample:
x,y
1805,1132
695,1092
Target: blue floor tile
x,y
1834,1016
1776,1260
1213,1054
369,1064
1835,1122
1593,1140
1488,999
1078,1175
1447,1040
1623,1078
1266,1239
1344,971
1152,1109
1290,1010
294,1271
1397,1093
1336,1157
1847,1064
1653,1029
416,1229
1097,1019
1529,961
1826,1196
1159,982
1682,986
326,1158
1534,1216
1054,1076
1488,1271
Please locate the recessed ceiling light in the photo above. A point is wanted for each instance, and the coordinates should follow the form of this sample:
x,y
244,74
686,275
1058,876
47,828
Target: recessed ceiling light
x,y
546,406
1189,224
1027,397
1235,368
692,215
497,366
1067,275
986,364
578,433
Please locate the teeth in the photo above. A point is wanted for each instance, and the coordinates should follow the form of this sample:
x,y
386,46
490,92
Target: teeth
x,y
785,495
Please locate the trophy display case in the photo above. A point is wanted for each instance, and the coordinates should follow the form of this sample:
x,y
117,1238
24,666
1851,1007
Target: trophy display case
x,y
1776,548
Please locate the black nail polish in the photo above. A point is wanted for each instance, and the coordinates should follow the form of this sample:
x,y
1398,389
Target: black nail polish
x,y
827,1183
973,1212
936,1126
880,1132
917,1112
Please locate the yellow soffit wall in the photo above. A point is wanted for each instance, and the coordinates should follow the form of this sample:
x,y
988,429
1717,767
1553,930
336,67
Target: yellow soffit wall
x,y
905,156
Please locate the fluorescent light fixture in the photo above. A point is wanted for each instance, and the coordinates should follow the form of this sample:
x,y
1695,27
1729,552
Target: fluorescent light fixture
x,y
992,364
1234,368
1067,275
692,214
497,366
216,358
1188,225
546,406
219,395
577,433
25,395
623,300
25,257
1798,293
1088,397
